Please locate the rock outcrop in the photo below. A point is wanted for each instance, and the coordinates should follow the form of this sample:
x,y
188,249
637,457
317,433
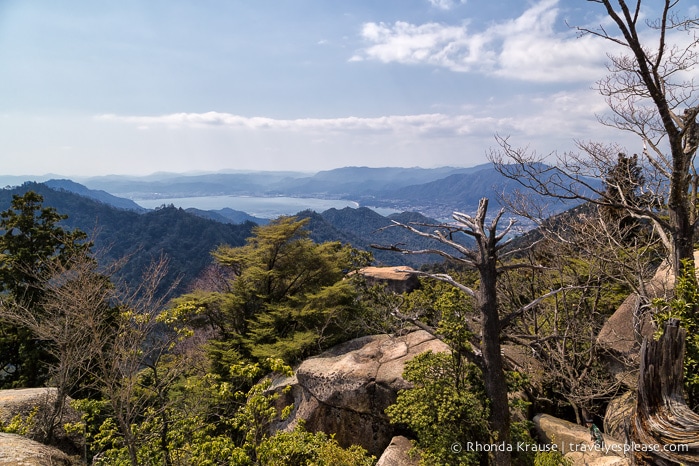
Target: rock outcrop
x,y
396,279
574,442
622,334
37,404
18,450
396,454
345,390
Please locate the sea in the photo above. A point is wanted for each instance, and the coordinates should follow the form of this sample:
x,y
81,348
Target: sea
x,y
261,207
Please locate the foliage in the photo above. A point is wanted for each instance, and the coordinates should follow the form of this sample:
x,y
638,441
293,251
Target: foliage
x,y
287,297
446,308
22,425
213,423
551,458
445,406
30,243
624,186
684,306
185,238
302,448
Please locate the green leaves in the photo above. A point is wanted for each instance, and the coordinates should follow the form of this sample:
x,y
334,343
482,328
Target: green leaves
x,y
288,297
445,406
301,448
31,242
685,307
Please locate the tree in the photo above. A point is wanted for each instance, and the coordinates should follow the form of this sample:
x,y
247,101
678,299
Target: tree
x,y
485,260
651,94
107,341
561,333
287,296
681,308
75,297
130,375
301,448
662,416
624,183
445,407
32,242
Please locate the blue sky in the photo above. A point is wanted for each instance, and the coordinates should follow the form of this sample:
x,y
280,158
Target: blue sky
x,y
136,87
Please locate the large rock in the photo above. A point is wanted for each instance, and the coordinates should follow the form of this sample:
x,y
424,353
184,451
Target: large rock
x,y
574,442
397,279
38,403
345,390
397,453
622,334
21,451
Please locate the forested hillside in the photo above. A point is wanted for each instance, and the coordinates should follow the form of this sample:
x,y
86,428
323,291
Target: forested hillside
x,y
184,239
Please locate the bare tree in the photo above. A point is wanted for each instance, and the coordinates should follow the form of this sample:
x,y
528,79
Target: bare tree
x,y
650,93
139,342
484,259
562,332
106,337
76,297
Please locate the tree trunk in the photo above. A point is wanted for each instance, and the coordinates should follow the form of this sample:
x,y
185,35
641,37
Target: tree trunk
x,y
493,373
682,229
662,420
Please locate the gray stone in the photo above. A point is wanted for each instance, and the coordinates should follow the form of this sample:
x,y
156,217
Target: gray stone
x,y
345,390
574,442
396,454
21,451
621,336
397,279
22,402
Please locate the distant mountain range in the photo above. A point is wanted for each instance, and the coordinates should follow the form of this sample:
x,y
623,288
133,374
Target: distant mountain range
x,y
104,207
186,238
435,192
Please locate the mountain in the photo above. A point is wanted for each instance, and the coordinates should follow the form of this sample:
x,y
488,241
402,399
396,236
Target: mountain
x,y
172,186
227,215
185,239
363,227
434,192
98,195
358,182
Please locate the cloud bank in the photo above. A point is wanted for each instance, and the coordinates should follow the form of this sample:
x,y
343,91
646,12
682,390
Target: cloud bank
x,y
544,114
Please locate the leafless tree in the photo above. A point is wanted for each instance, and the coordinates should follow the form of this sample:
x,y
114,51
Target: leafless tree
x,y
483,258
103,336
651,93
76,297
562,332
139,342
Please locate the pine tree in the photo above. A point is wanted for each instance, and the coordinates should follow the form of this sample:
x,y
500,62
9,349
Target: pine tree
x,y
30,240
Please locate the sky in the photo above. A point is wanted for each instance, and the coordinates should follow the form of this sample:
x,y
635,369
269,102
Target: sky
x,y
135,87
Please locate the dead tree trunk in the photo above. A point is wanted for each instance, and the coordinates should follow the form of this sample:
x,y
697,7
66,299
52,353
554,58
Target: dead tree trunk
x,y
664,430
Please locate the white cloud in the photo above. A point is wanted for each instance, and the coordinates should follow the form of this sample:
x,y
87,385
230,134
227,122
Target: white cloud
x,y
422,124
445,4
569,113
431,43
524,48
